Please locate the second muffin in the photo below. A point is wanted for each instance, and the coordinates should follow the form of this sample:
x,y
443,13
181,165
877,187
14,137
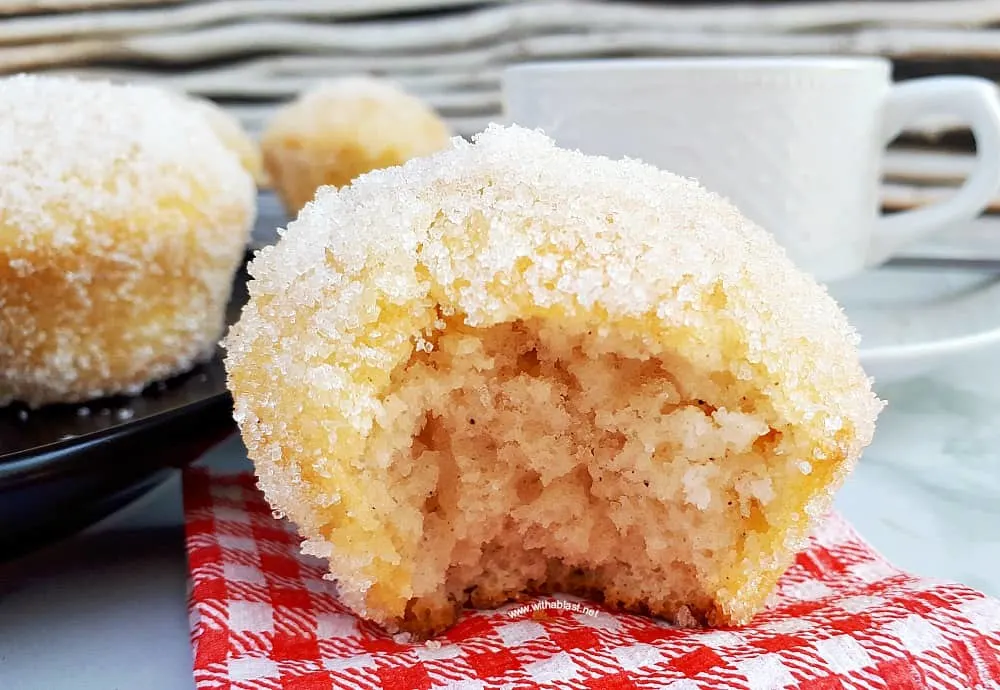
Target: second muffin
x,y
123,219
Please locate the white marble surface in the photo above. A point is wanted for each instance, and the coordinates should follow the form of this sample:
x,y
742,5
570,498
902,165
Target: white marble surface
x,y
107,610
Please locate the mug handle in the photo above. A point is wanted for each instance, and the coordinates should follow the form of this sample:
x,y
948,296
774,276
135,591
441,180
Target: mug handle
x,y
977,103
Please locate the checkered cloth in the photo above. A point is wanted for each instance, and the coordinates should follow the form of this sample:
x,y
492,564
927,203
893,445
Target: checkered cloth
x,y
263,617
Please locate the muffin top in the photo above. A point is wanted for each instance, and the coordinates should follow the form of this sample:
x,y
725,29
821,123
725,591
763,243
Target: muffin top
x,y
510,227
77,155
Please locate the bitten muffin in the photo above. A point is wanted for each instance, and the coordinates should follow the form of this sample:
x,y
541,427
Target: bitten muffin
x,y
341,129
509,368
123,219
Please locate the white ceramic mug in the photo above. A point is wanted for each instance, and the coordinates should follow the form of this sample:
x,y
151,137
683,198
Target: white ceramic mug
x,y
795,143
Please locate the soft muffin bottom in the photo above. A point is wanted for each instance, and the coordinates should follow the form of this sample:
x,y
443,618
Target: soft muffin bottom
x,y
524,459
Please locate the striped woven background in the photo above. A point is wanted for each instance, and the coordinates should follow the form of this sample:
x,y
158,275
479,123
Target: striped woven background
x,y
254,54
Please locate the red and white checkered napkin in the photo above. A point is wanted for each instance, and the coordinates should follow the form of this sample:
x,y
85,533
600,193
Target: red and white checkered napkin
x,y
263,617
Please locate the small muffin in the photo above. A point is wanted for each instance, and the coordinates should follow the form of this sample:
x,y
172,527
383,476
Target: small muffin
x,y
228,128
341,129
123,219
509,368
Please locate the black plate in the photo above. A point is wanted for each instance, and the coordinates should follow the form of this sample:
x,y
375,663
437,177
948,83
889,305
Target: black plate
x,y
63,467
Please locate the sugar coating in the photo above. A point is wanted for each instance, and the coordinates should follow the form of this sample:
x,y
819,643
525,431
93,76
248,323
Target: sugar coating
x,y
510,368
122,221
342,128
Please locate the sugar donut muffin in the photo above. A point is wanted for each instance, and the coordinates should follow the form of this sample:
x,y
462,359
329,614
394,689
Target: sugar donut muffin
x,y
509,368
342,128
123,219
